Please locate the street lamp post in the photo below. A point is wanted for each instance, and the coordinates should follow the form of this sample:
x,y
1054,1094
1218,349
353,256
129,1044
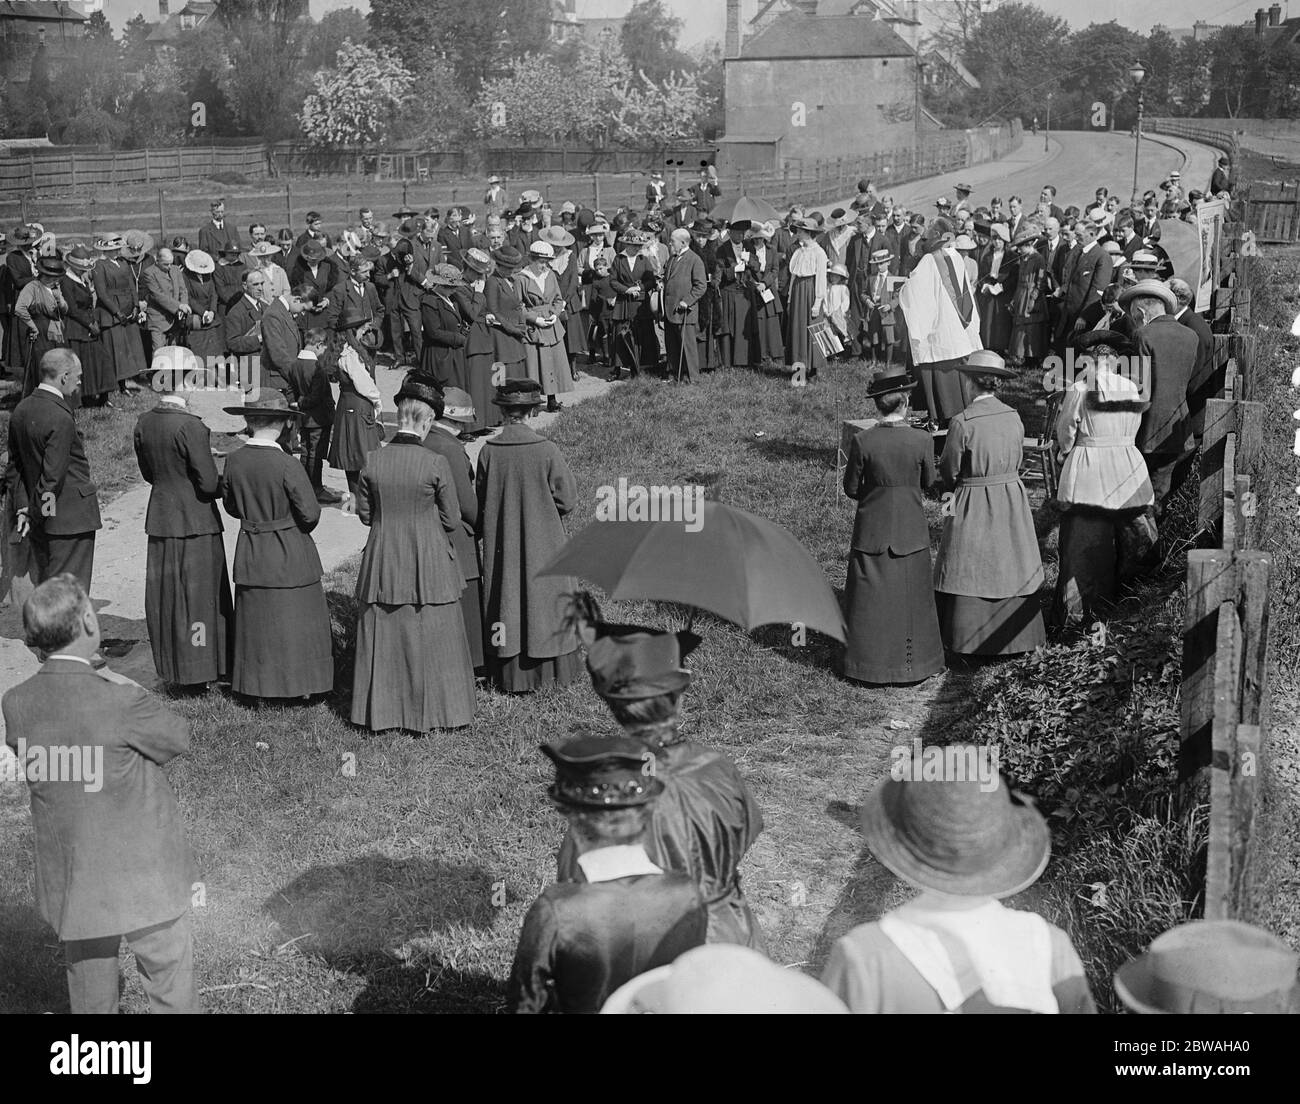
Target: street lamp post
x,y
1136,72
1047,130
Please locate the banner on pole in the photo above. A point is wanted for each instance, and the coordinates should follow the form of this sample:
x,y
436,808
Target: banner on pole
x,y
1210,217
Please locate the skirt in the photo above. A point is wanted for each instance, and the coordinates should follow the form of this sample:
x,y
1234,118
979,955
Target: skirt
x,y
478,371
575,334
413,669
97,377
800,348
521,674
283,646
735,327
769,344
356,432
893,625
1028,340
990,626
16,342
207,342
1097,550
471,612
944,389
549,366
187,608
125,350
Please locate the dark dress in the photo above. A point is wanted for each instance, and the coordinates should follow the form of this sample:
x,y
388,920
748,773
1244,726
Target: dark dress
x,y
1029,311
702,825
508,331
115,292
356,432
580,942
204,340
893,624
770,345
463,536
480,353
443,355
413,669
735,322
82,330
575,326
283,644
187,600
995,310
19,270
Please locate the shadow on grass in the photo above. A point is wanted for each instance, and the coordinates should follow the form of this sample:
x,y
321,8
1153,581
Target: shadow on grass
x,y
32,978
379,919
796,452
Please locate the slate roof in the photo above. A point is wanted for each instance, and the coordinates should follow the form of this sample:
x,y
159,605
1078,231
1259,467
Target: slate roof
x,y
803,36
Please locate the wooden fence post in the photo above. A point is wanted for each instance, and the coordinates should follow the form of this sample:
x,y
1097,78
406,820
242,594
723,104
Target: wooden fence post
x,y
1211,581
72,165
148,169
595,191
288,203
162,219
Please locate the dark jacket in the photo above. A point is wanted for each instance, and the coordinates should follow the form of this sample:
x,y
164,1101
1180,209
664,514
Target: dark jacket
x,y
243,326
281,344
174,450
1172,349
212,239
48,470
443,355
269,492
309,385
684,281
462,475
80,323
889,465
1088,277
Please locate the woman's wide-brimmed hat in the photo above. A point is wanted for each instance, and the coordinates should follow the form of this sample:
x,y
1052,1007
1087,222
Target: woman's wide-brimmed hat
x,y
108,243
999,230
508,258
443,275
597,772
458,406
1027,235
808,224
1090,339
963,241
51,266
477,261
541,249
893,378
268,404
985,362
518,392
264,249
22,234
838,269
881,256
312,251
80,258
1212,967
957,837
631,663
1154,288
199,262
136,243
557,237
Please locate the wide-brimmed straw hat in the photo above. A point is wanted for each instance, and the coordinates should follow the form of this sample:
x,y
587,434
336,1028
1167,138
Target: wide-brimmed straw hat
x,y
985,362
51,266
1214,967
1155,288
264,249
724,979
541,249
443,275
199,262
269,403
108,243
477,261
557,237
136,243
80,258
959,838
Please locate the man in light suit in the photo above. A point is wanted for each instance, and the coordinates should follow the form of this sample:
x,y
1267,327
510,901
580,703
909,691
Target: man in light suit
x,y
112,861
281,336
684,286
49,476
167,299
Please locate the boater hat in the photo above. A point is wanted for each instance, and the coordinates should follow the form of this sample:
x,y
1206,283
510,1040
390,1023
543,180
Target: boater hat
x,y
1155,288
892,379
264,249
269,403
557,237
597,772
1214,967
881,256
985,362
136,243
518,392
477,261
199,262
108,243
956,837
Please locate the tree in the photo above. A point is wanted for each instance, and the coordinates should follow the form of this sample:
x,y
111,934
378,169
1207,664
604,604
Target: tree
x,y
328,36
356,102
1099,57
1017,53
135,50
1191,87
97,26
655,114
649,40
958,21
1238,58
537,100
438,113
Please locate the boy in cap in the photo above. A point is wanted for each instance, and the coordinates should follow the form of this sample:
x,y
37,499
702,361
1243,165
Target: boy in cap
x,y
582,940
707,819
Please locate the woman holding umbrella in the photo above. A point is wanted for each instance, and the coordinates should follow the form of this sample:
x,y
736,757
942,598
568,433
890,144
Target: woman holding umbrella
x,y
807,298
893,625
525,488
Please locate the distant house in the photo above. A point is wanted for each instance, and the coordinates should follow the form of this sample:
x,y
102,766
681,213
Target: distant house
x,y
582,20
944,70
170,27
26,25
810,85
1273,29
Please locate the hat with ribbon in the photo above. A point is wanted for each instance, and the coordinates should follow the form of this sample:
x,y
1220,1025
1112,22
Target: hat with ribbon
x,y
458,406
963,241
312,251
965,188
264,249
597,772
541,249
405,213
881,256
1214,967
631,663
135,244
268,404
892,378
807,224
22,234
957,837
443,275
1157,289
1087,340
108,243
1027,235
557,237
985,362
80,258
351,317
51,266
477,261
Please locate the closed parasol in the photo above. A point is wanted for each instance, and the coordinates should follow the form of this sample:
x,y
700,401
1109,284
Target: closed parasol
x,y
737,565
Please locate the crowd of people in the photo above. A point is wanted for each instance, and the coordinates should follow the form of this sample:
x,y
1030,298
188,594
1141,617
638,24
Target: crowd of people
x,y
648,912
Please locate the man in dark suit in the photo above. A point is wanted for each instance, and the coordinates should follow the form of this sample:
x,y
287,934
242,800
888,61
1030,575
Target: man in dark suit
x,y
452,415
112,861
425,248
1015,216
1048,196
407,291
358,294
1168,351
682,214
309,390
705,192
49,476
218,234
1088,277
322,274
1221,178
243,326
1206,382
455,237
684,286
282,337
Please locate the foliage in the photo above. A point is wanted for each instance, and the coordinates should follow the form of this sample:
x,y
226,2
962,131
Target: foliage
x,y
1017,52
329,35
648,38
536,101
356,102
1237,60
437,113
97,26
1099,57
647,112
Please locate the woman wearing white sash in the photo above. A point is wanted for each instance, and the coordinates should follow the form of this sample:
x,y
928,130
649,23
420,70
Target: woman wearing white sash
x,y
956,948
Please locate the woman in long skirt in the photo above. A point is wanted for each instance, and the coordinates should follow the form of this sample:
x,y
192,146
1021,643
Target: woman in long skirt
x,y
505,314
988,572
765,297
356,432
893,626
187,603
283,644
545,354
82,323
1028,344
628,277
565,267
525,488
807,299
206,335
735,321
119,311
413,668
480,349
995,284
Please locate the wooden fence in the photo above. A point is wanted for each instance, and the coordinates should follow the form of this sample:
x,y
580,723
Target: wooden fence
x,y
1272,211
1225,636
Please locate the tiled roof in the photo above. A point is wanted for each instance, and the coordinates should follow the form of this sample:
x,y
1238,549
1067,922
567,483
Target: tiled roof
x,y
803,36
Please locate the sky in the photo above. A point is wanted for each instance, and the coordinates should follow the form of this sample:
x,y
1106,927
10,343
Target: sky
x,y
704,19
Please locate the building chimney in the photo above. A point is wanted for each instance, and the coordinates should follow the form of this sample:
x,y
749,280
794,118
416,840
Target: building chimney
x,y
1261,21
731,39
1275,15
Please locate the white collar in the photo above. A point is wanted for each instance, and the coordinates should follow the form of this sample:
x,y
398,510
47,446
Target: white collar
x,y
983,395
263,444
174,400
891,419
607,864
1089,246
446,429
75,659
1181,312
50,388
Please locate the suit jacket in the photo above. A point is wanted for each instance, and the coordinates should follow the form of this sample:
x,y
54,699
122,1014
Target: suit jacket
x,y
81,315
1204,344
704,195
164,291
889,465
114,860
19,271
115,292
462,476
1219,182
269,492
427,254
684,281
443,355
325,281
309,385
1054,258
174,450
367,300
243,327
1089,276
1172,348
281,344
48,470
213,239
455,242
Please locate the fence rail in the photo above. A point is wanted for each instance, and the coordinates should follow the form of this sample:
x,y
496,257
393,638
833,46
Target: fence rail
x,y
1225,636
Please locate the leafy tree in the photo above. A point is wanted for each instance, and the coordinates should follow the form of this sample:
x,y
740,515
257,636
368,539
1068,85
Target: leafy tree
x,y
1096,70
135,52
438,113
649,40
97,26
356,102
1237,59
649,113
1017,52
1190,90
329,35
536,101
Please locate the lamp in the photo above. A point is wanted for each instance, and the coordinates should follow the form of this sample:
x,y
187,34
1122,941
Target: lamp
x,y
1136,73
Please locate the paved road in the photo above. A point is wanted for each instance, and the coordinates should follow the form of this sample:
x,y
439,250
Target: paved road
x,y
1075,162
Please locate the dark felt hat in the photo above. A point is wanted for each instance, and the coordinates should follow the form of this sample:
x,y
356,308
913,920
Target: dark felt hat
x,y
1112,339
518,392
50,266
350,318
628,663
508,258
594,772
312,251
892,379
423,388
269,403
